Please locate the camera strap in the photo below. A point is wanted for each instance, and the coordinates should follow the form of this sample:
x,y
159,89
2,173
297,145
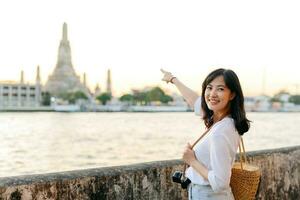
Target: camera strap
x,y
205,132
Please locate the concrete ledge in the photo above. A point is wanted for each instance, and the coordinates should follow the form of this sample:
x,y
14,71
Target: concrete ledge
x,y
280,180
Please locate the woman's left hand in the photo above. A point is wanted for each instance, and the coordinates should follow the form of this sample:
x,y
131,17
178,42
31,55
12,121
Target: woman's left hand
x,y
167,76
188,154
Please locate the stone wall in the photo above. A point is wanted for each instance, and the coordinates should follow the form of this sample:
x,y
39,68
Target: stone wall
x,y
280,180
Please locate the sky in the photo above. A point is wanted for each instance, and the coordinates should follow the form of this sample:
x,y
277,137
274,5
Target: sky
x,y
258,39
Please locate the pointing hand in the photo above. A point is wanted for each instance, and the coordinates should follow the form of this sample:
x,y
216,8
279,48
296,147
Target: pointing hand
x,y
167,76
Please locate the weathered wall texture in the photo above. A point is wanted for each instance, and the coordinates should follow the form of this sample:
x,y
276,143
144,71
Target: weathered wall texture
x,y
280,180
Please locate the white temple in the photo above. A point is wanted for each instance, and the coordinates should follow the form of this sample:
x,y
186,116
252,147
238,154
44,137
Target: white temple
x,y
64,78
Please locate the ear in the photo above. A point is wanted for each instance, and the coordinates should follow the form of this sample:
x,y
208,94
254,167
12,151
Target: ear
x,y
232,95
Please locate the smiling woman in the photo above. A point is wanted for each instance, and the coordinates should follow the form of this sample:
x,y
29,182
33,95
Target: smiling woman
x,y
222,108
222,95
217,96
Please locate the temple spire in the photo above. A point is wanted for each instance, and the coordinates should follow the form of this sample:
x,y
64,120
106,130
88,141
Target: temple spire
x,y
38,77
84,79
108,82
64,51
97,90
22,77
64,78
65,32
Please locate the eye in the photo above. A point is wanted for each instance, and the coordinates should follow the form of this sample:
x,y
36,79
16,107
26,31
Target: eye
x,y
208,87
220,89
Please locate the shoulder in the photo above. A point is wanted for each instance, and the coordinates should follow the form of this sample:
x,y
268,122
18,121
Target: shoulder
x,y
224,134
197,107
225,128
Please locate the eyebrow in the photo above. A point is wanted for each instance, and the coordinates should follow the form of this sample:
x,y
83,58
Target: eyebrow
x,y
217,85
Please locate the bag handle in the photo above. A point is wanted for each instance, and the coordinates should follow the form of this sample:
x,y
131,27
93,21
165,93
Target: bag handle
x,y
242,153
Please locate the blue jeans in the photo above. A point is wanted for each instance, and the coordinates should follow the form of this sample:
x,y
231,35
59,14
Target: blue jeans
x,y
205,192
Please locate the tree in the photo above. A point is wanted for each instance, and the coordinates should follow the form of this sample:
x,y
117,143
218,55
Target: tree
x,y
76,96
46,99
104,98
127,98
72,97
166,99
295,99
155,94
141,97
79,95
275,99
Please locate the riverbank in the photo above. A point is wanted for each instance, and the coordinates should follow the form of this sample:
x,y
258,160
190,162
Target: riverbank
x,y
27,109
280,180
116,108
97,108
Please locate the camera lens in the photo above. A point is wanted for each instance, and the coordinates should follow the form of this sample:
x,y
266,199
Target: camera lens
x,y
185,183
177,177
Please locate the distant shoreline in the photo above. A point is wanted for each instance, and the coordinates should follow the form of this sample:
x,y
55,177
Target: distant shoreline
x,y
168,111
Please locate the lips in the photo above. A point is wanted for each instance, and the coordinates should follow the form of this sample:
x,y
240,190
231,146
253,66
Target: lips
x,y
213,101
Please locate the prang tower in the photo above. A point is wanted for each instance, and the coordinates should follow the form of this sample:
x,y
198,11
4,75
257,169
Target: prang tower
x,y
64,78
108,82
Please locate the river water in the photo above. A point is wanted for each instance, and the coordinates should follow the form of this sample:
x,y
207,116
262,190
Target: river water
x,y
45,142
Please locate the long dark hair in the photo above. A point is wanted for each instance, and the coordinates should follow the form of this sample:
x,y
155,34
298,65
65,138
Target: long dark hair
x,y
237,109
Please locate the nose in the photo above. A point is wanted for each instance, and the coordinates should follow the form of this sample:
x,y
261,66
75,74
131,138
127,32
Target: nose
x,y
213,93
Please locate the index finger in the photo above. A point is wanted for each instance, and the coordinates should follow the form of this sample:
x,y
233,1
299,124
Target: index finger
x,y
163,71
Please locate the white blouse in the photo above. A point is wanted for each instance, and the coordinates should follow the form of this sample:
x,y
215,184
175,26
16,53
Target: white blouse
x,y
216,151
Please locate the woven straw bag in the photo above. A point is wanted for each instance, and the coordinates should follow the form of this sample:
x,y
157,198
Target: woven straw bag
x,y
244,177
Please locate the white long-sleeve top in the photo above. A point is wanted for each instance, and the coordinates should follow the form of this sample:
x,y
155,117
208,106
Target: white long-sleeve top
x,y
216,151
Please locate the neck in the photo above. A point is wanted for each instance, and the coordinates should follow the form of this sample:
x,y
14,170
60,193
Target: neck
x,y
217,117
220,115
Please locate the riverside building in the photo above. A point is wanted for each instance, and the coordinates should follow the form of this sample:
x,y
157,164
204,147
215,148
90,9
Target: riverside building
x,y
21,94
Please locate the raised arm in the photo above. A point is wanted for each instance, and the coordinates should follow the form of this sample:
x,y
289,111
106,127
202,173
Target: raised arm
x,y
189,95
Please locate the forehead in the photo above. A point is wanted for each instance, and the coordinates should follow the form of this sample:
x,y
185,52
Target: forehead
x,y
218,81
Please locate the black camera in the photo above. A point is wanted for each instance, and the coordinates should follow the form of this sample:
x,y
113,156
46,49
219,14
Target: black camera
x,y
177,177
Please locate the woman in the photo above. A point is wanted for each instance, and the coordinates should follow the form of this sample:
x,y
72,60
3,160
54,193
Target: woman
x,y
221,106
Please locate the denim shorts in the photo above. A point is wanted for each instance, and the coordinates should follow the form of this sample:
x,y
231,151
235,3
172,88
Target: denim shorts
x,y
205,192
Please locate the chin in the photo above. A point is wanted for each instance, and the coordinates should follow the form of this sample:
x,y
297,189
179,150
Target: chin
x,y
215,108
212,107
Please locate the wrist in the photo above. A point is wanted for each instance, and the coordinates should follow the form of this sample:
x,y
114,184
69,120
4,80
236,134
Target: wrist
x,y
193,162
172,79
